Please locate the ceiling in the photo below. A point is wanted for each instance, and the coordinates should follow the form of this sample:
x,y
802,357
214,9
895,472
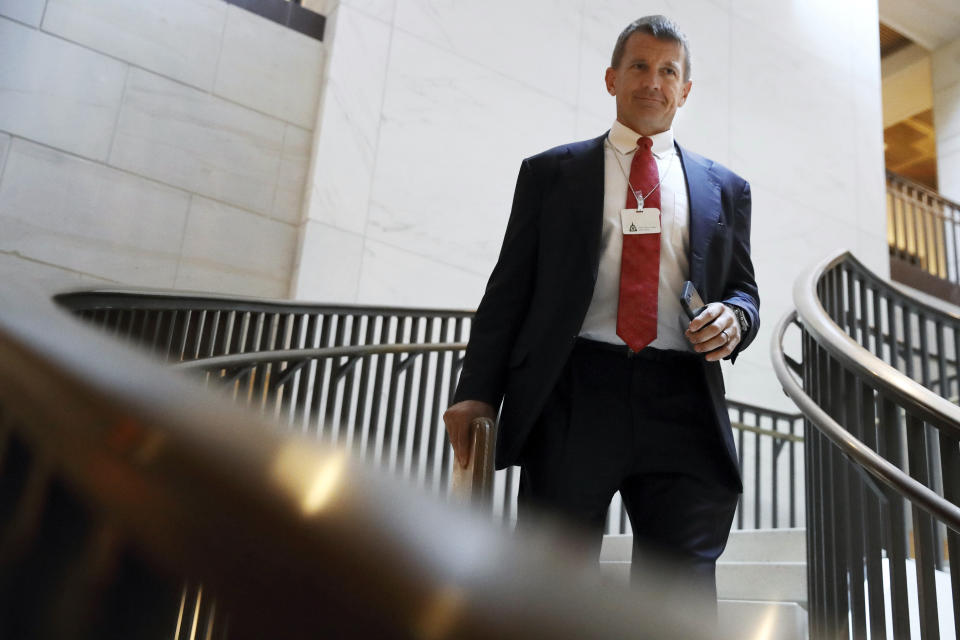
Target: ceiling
x,y
929,23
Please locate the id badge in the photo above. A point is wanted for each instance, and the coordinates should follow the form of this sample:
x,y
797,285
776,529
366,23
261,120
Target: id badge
x,y
644,221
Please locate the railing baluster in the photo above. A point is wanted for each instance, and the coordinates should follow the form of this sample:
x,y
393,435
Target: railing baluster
x,y
923,544
872,523
891,446
853,514
950,463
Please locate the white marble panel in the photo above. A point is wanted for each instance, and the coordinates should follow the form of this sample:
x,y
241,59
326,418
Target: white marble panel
x,y
382,10
268,67
868,143
478,32
350,122
391,276
792,126
787,237
26,11
451,142
191,139
946,111
705,23
229,250
820,30
176,38
590,126
329,269
4,147
84,216
288,200
864,40
56,92
945,62
45,278
873,251
948,164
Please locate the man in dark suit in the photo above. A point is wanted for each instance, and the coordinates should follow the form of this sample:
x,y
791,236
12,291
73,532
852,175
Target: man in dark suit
x,y
580,333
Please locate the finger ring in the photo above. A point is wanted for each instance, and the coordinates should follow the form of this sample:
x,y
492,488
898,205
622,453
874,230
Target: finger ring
x,y
726,338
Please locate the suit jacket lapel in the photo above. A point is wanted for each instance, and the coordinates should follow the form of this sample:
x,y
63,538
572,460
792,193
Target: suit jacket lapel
x,y
703,193
582,173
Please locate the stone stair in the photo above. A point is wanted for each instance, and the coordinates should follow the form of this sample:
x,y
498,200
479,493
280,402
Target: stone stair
x,y
761,577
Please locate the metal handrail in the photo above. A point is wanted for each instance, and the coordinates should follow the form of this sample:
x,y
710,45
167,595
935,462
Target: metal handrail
x,y
871,420
266,357
881,375
153,298
872,462
154,479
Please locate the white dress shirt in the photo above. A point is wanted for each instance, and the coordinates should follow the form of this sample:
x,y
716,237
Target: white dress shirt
x,y
600,322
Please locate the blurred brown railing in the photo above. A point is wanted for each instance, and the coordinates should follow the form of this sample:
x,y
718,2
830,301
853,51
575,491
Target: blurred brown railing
x,y
923,233
121,481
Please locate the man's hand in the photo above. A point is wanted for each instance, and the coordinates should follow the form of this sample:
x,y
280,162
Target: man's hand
x,y
714,332
458,418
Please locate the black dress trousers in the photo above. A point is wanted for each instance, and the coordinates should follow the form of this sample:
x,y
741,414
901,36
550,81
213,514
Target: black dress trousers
x,y
643,425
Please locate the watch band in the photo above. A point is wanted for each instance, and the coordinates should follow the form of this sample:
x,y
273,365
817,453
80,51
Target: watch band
x,y
741,317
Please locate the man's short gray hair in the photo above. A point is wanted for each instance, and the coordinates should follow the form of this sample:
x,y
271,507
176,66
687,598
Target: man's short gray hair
x,y
660,27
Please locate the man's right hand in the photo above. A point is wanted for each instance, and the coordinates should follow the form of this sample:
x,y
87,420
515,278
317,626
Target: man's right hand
x,y
458,418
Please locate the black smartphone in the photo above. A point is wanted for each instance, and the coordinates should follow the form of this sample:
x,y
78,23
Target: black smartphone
x,y
691,301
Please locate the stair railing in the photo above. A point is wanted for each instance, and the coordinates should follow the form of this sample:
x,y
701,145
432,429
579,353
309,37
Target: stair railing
x,y
923,233
882,452
377,379
120,480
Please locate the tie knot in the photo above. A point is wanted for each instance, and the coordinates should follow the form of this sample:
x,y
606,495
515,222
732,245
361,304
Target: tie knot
x,y
645,143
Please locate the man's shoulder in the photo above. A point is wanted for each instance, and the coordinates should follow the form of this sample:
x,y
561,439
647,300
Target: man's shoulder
x,y
568,150
724,174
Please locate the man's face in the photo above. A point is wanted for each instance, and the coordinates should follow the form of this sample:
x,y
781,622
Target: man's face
x,y
648,83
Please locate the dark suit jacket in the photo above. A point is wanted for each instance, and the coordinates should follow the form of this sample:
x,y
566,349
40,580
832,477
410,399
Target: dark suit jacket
x,y
542,284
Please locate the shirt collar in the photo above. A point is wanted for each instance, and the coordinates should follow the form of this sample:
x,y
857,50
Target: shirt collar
x,y
624,140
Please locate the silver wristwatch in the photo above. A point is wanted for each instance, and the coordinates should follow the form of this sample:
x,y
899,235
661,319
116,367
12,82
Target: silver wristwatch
x,y
741,317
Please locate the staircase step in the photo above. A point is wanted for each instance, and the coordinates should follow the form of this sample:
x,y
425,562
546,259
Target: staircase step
x,y
764,581
755,581
768,620
766,545
754,545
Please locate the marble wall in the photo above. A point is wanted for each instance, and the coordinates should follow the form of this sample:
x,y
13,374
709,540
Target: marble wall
x,y
161,143
945,63
430,105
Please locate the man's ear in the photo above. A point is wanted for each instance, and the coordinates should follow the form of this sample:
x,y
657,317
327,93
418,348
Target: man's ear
x,y
611,80
686,92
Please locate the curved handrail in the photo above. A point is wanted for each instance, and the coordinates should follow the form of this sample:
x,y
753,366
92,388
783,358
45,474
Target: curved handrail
x,y
875,464
119,297
881,375
266,357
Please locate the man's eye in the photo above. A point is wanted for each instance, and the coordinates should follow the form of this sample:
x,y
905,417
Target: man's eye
x,y
671,71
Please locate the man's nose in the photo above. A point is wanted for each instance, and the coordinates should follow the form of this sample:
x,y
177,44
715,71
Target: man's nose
x,y
651,80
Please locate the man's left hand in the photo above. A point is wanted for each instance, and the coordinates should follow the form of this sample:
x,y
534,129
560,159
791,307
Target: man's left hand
x,y
714,332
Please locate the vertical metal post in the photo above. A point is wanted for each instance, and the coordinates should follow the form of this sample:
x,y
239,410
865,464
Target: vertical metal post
x,y
922,533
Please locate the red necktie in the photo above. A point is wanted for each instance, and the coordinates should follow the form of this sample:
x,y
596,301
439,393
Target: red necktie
x,y
640,262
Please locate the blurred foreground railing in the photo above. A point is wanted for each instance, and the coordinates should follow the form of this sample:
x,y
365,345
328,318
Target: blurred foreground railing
x,y
121,481
377,380
882,454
